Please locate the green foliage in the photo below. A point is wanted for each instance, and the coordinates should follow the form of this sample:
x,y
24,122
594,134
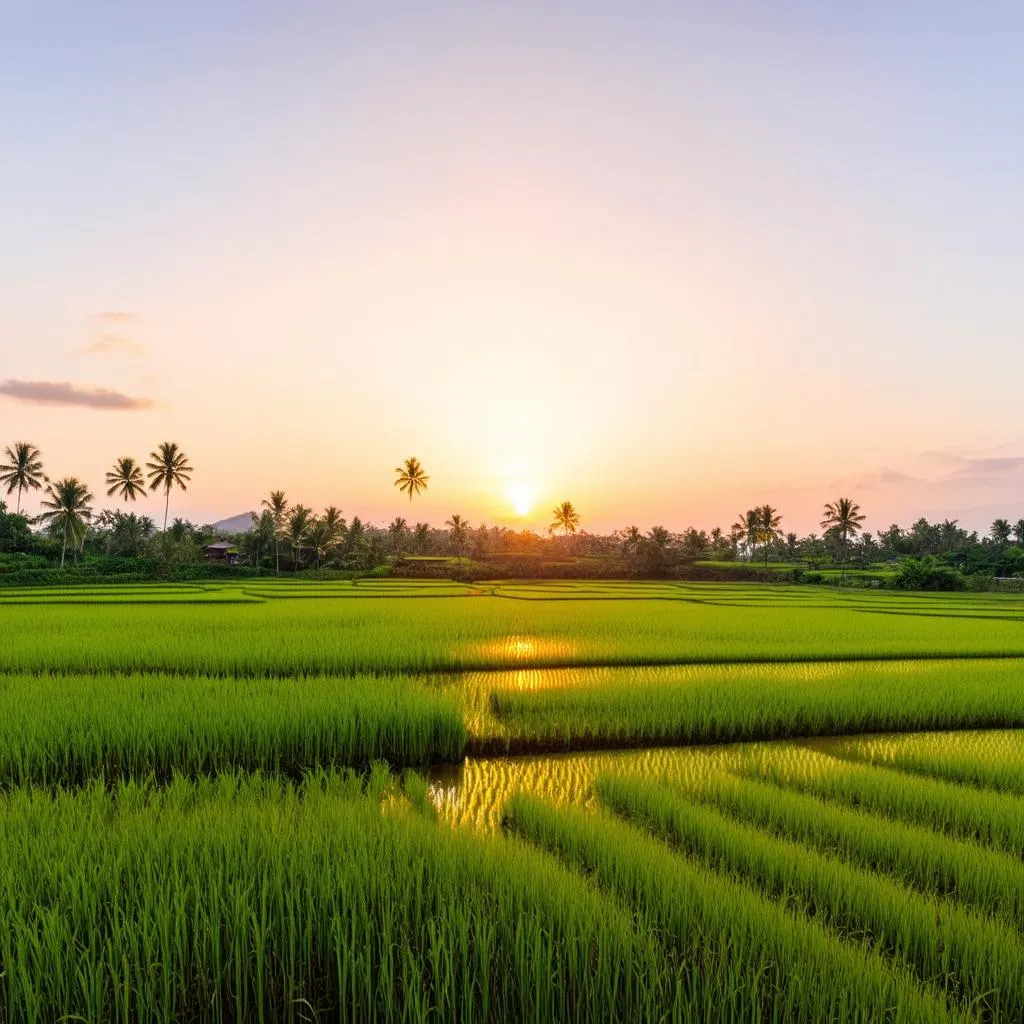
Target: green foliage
x,y
927,573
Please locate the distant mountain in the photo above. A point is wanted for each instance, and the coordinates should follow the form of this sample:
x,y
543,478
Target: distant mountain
x,y
242,523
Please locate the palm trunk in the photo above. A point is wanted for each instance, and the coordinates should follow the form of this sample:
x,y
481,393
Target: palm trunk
x,y
167,505
277,555
64,544
18,511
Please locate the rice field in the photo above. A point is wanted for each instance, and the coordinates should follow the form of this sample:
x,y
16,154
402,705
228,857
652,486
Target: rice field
x,y
386,800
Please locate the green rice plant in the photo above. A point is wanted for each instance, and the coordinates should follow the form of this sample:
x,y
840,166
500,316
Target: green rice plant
x,y
299,636
248,899
977,961
716,705
990,759
64,730
753,959
992,819
930,862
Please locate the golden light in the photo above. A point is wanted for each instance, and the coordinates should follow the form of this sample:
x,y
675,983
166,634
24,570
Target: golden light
x,y
522,497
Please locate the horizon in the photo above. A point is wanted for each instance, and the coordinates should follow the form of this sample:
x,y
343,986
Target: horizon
x,y
665,262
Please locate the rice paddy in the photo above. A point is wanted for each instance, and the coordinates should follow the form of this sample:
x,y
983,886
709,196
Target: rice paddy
x,y
385,800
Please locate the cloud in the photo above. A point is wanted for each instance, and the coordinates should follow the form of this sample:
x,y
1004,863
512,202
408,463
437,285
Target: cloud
x,y
45,392
883,477
114,316
986,467
114,343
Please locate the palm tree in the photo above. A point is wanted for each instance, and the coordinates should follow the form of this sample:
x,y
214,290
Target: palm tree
x,y
299,523
168,466
23,469
769,520
458,528
1018,532
397,531
631,539
68,511
842,518
566,519
1000,531
421,537
325,532
263,531
126,479
747,529
277,505
411,479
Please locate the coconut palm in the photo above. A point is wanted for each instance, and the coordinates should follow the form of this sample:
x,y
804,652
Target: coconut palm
x,y
126,479
325,533
67,512
398,530
168,466
421,537
566,519
842,518
300,521
277,505
768,531
458,528
1018,532
411,479
23,470
258,539
1000,531
747,529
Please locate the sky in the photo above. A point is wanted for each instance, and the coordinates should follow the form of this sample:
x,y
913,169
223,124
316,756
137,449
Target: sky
x,y
664,260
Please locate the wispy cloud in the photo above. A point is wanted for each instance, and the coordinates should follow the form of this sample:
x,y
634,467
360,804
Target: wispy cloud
x,y
46,392
884,477
989,466
114,343
114,316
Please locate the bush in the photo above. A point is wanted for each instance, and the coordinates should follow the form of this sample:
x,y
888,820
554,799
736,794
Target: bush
x,y
927,573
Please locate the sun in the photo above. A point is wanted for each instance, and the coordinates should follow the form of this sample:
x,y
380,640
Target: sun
x,y
522,497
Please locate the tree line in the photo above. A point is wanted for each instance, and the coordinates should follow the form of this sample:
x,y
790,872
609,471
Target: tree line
x,y
287,536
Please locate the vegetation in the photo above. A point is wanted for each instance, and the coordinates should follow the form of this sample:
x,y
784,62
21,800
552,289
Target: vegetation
x,y
182,835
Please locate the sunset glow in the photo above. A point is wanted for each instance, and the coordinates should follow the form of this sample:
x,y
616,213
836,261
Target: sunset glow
x,y
686,260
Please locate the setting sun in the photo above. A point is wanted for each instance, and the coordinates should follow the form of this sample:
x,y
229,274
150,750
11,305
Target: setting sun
x,y
522,496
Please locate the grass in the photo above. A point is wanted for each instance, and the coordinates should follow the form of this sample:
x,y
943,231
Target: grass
x,y
65,730
929,862
302,636
715,704
248,899
759,961
992,760
146,874
978,962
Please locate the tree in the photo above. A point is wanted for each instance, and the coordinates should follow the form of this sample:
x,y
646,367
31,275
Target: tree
x,y
257,540
566,519
168,466
22,471
421,537
325,533
768,521
1000,531
398,530
300,520
125,479
657,551
411,479
843,519
458,528
748,529
68,511
792,546
277,506
1018,532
